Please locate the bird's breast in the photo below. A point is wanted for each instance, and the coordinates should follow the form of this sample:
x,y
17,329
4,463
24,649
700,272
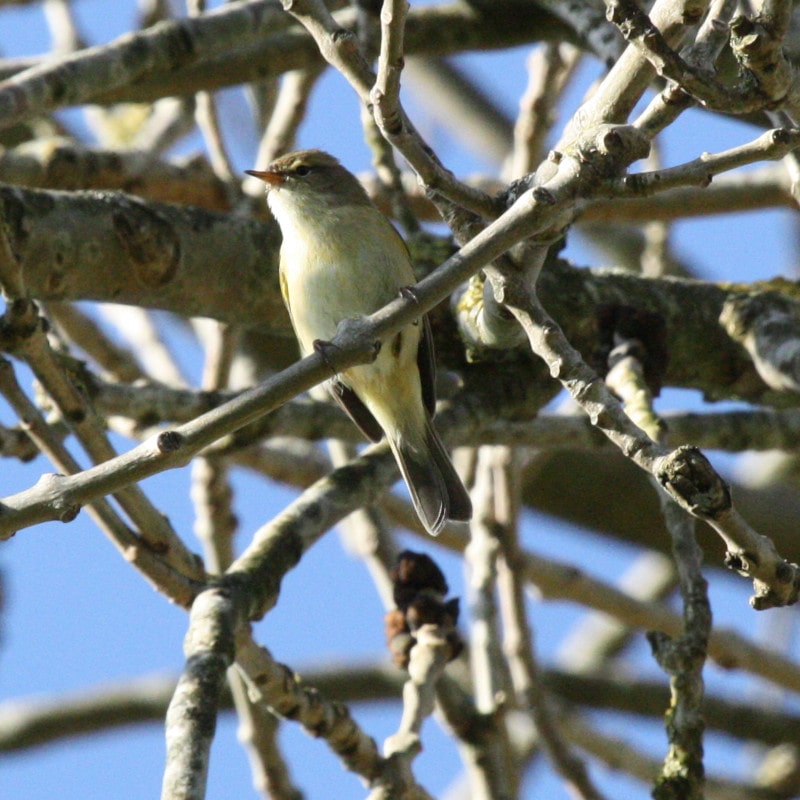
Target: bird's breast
x,y
333,272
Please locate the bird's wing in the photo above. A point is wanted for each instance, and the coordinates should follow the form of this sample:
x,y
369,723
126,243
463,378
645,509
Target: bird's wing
x,y
351,403
426,356
426,362
285,292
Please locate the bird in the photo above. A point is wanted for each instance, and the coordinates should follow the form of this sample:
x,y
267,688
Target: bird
x,y
341,258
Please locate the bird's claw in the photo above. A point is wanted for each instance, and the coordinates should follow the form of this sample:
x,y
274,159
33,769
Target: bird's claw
x,y
324,349
409,293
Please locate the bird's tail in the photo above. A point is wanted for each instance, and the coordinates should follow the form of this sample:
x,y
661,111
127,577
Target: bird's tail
x,y
436,490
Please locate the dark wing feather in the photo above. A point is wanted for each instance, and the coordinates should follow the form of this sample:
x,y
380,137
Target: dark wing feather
x,y
351,403
426,357
426,361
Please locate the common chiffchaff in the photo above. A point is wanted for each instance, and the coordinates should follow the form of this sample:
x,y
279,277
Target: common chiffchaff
x,y
341,258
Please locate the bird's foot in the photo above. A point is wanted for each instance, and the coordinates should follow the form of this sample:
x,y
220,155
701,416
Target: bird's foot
x,y
325,350
409,293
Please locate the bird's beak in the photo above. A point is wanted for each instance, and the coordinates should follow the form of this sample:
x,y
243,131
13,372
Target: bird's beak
x,y
272,178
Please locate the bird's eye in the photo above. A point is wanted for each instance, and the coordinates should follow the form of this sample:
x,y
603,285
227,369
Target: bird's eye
x,y
302,170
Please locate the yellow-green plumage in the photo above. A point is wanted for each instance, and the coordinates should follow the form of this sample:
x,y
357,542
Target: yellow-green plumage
x,y
341,258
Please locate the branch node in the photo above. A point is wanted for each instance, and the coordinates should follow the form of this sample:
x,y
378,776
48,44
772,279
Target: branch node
x,y
169,441
689,478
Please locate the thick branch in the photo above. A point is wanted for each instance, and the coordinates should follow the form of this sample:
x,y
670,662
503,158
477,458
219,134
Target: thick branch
x,y
192,713
242,43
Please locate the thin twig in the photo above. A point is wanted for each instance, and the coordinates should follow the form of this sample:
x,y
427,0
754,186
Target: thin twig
x,y
192,714
365,533
711,38
339,48
732,431
179,587
281,689
451,98
428,658
622,88
33,721
79,328
526,675
682,658
385,93
25,336
684,473
287,114
772,72
562,581
550,67
598,638
207,118
488,671
138,327
64,32
590,23
656,256
755,189
354,344
769,146
215,526
154,52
